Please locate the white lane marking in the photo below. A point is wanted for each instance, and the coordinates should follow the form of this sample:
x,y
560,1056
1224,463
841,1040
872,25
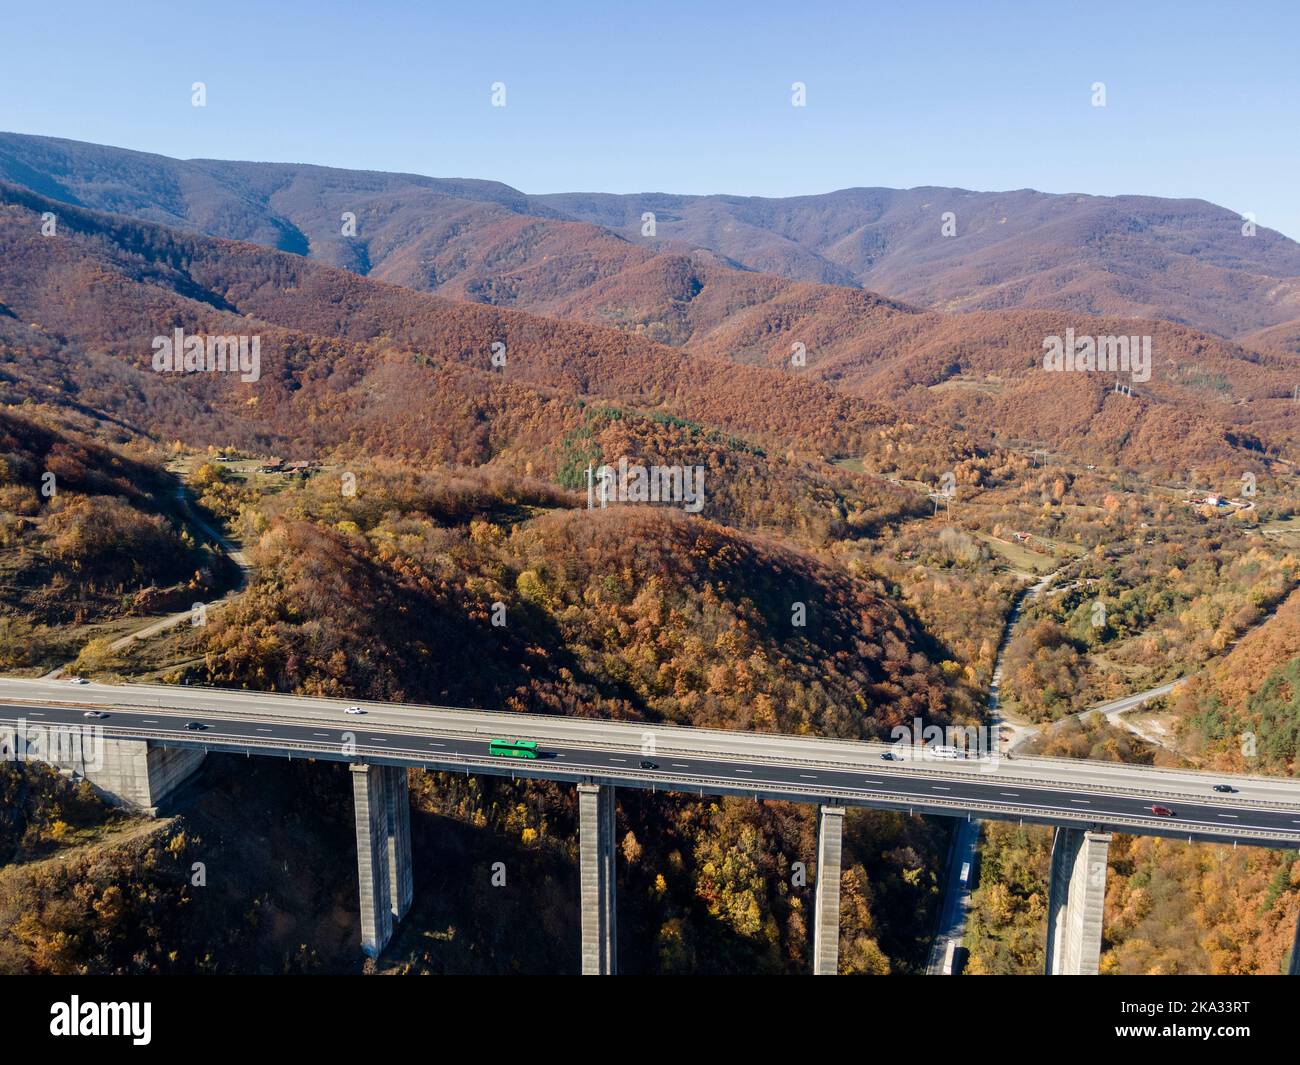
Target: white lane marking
x,y
683,765
939,787
744,770
1233,816
431,744
1013,794
612,759
149,720
33,713
1084,802
264,730
559,756
320,733
808,776
377,739
873,781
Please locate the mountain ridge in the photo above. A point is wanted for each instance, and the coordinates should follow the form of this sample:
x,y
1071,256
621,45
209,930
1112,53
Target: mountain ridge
x,y
881,379
1185,260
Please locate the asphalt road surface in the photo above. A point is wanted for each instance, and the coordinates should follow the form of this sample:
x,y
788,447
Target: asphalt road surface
x,y
807,769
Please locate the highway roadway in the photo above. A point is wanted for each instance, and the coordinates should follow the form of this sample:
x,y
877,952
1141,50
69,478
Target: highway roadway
x,y
1263,811
951,928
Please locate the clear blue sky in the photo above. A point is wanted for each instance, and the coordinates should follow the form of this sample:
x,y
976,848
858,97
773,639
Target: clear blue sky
x,y
1202,99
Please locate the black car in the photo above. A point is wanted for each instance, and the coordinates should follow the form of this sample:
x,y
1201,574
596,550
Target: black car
x,y
197,726
646,764
1227,789
888,756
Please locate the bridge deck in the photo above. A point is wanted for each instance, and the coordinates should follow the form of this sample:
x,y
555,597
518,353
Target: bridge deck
x,y
1262,811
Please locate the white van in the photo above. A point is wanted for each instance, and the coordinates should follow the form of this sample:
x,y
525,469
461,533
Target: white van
x,y
940,751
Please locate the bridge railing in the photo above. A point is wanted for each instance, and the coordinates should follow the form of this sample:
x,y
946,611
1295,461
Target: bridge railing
x,y
715,783
709,784
665,732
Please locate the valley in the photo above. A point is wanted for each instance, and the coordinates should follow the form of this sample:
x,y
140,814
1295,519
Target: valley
x,y
915,521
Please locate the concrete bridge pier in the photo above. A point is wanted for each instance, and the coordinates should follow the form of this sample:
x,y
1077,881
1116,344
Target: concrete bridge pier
x,y
133,773
381,801
826,918
596,879
398,795
1076,900
370,804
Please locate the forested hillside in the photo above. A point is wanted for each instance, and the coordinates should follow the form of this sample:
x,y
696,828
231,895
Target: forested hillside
x,y
465,567
952,250
407,478
87,533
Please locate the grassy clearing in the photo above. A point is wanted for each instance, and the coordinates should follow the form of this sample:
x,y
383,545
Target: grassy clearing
x,y
1020,556
988,385
1286,531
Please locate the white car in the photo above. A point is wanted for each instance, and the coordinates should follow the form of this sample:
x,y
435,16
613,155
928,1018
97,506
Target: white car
x,y
354,710
78,680
96,714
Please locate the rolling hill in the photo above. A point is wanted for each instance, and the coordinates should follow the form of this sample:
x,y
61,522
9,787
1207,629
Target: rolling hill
x,y
1185,261
1182,260
354,365
352,361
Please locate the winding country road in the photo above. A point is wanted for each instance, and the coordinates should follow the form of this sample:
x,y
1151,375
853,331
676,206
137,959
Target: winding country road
x,y
963,850
152,628
229,549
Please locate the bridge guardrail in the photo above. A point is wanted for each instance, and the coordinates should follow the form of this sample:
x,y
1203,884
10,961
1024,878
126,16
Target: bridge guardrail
x,y
164,690
936,769
720,785
770,759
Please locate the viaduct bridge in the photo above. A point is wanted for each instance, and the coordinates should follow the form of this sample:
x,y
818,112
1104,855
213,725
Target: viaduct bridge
x,y
154,736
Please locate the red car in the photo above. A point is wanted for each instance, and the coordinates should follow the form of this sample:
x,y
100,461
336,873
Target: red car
x,y
1162,811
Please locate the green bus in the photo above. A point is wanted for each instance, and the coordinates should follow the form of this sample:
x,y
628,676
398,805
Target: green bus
x,y
513,748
